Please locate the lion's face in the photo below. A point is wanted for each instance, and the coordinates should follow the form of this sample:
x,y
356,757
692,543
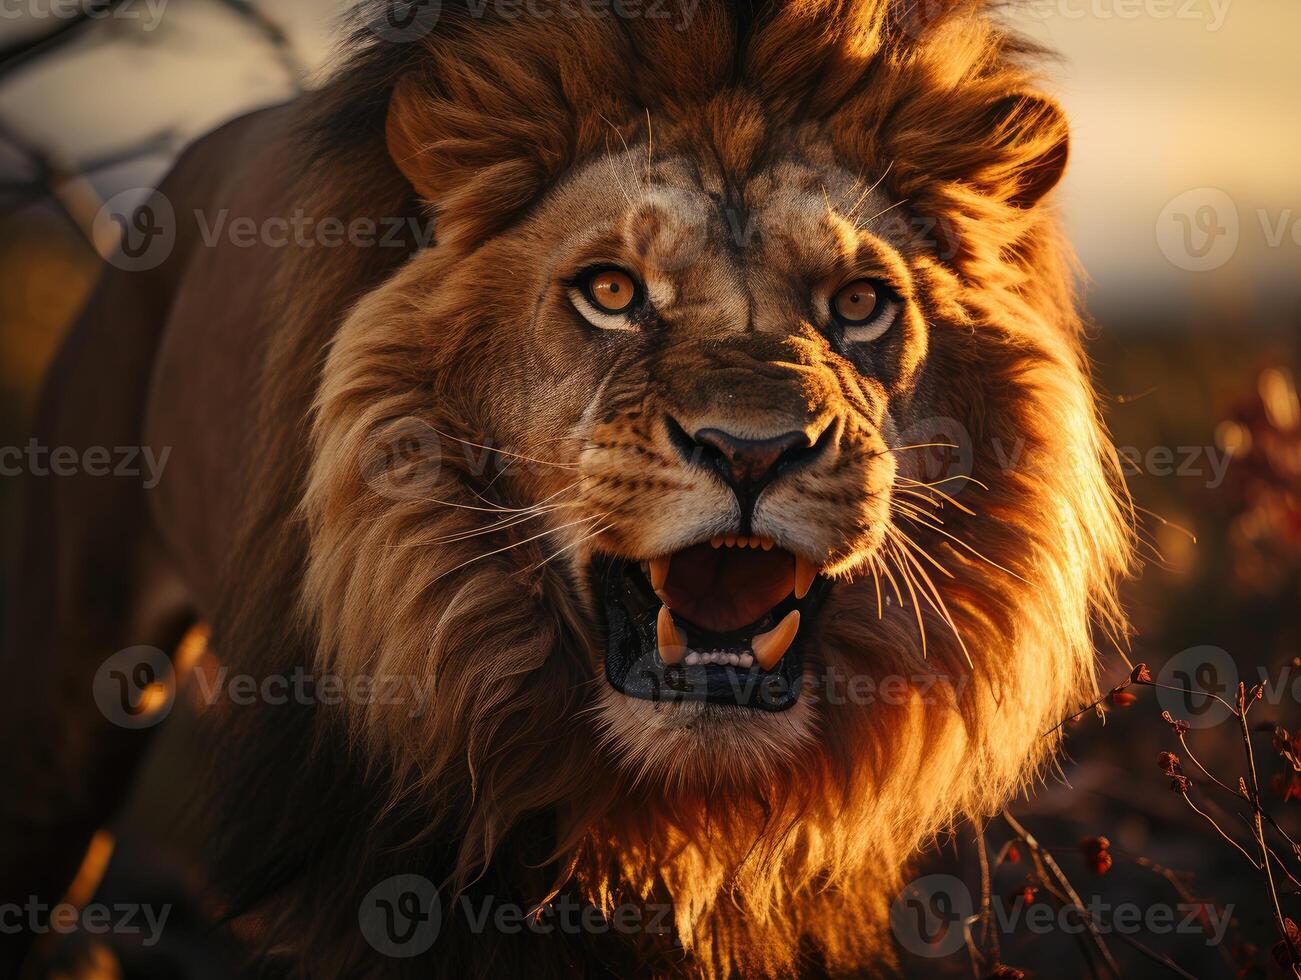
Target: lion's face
x,y
706,387
732,435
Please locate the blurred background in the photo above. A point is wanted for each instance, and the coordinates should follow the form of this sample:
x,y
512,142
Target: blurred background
x,y
1184,201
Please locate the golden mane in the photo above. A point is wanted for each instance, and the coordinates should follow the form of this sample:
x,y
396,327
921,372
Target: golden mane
x,y
505,783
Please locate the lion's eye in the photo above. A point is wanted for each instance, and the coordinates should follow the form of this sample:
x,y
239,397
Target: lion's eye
x,y
607,298
865,309
612,290
857,302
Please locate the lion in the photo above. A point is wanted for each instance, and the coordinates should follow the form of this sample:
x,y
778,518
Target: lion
x,y
629,466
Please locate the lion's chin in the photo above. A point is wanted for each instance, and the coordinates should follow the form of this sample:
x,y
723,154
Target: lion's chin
x,y
693,744
716,624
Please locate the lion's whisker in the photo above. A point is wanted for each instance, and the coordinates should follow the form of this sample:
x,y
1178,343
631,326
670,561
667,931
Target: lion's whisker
x,y
939,493
917,445
935,599
903,538
894,551
509,547
955,476
494,449
884,211
488,528
958,541
574,544
864,196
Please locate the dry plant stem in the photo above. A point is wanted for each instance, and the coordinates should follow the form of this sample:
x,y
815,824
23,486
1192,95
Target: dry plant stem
x,y
1219,830
1045,862
1260,829
1183,743
988,937
1176,882
1156,957
1184,690
1127,682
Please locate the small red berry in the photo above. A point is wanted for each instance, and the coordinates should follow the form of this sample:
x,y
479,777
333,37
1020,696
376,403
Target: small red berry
x,y
1097,854
1002,971
1178,724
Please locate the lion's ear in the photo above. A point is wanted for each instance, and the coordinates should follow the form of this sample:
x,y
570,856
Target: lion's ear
x,y
1011,147
477,155
1031,132
405,143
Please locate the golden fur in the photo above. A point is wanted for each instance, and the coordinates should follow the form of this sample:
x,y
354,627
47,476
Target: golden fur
x,y
741,166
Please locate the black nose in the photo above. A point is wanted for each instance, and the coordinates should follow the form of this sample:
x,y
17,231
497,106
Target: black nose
x,y
748,462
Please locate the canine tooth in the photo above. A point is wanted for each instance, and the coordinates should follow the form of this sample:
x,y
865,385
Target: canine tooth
x,y
672,644
659,572
769,647
805,573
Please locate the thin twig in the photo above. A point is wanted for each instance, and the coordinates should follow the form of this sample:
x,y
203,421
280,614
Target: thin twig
x,y
1040,854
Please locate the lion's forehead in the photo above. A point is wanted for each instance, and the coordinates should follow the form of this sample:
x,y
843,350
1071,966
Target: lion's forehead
x,y
734,250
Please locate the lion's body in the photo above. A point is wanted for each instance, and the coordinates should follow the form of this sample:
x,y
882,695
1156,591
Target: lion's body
x,y
274,375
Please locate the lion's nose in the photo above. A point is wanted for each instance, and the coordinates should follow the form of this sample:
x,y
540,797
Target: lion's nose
x,y
749,461
748,464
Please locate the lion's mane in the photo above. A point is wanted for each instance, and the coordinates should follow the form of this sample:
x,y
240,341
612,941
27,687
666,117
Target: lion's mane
x,y
503,786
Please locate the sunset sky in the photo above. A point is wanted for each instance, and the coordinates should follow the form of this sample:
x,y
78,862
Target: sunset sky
x,y
1166,96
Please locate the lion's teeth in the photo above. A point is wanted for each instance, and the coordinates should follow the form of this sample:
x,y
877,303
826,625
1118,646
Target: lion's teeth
x,y
769,647
716,541
659,572
672,644
805,573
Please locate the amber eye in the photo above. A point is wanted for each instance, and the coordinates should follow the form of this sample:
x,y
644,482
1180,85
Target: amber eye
x,y
857,302
612,290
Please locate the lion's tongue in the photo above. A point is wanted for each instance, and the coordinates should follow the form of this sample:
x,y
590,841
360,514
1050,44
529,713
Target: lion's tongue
x,y
724,589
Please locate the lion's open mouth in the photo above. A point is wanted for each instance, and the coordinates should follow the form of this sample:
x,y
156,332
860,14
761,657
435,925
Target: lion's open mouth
x,y
724,621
